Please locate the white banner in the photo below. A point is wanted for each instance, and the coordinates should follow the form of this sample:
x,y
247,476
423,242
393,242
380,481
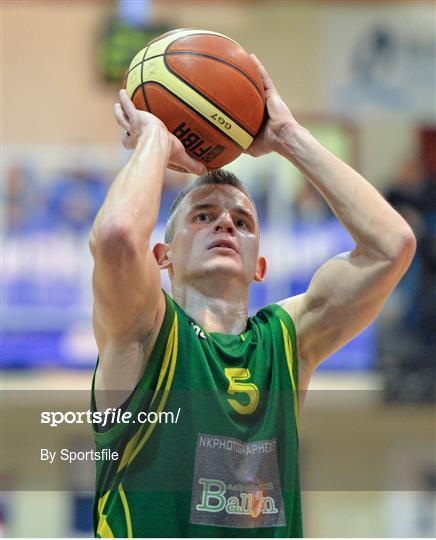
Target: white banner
x,y
381,59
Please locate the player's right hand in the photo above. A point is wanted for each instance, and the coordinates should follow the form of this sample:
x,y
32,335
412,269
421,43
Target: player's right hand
x,y
136,123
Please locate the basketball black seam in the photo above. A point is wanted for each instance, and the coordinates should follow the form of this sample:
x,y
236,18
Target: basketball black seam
x,y
204,55
207,98
193,53
142,79
209,56
200,34
135,66
179,52
196,112
196,89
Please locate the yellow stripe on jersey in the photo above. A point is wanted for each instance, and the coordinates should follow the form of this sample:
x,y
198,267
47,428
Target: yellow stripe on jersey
x,y
126,510
165,362
133,447
103,529
165,393
290,362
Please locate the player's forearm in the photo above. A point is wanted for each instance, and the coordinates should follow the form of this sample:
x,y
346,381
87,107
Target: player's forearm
x,y
132,203
374,225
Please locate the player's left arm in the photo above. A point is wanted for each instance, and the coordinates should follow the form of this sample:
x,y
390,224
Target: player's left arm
x,y
348,291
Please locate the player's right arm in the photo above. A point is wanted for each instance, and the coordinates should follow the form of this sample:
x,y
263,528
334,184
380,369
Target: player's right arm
x,y
129,305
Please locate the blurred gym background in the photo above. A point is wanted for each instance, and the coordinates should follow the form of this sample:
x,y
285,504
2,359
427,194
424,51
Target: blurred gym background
x,y
361,76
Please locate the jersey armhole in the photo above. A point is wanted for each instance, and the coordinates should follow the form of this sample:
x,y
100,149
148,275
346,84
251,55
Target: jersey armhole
x,y
289,336
288,331
144,386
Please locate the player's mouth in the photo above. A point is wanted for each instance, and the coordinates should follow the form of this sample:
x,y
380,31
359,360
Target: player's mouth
x,y
225,246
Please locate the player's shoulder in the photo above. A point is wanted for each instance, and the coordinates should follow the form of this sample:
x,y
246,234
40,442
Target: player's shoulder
x,y
292,305
281,314
289,306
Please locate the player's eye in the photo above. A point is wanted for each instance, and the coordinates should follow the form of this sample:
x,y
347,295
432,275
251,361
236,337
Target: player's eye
x,y
203,217
241,223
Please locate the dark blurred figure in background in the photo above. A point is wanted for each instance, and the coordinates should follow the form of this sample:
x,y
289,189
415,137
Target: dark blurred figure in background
x,y
68,202
24,202
408,346
310,207
414,196
74,199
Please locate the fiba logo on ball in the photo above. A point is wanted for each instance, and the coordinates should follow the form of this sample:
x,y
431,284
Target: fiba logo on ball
x,y
205,88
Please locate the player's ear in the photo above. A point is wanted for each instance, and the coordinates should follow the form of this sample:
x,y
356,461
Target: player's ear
x,y
161,253
260,269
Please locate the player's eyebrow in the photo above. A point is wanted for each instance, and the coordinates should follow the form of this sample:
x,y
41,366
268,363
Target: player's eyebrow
x,y
244,212
202,206
208,206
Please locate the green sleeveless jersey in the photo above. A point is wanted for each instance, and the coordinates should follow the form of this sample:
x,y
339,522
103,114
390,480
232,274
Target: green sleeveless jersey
x,y
218,454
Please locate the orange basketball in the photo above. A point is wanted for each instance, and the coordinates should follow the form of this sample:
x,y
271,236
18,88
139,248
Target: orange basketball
x,y
205,88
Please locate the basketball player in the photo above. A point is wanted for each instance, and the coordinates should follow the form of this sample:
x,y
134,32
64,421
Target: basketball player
x,y
228,465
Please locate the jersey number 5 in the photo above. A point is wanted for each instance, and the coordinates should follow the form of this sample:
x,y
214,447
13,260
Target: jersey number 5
x,y
235,376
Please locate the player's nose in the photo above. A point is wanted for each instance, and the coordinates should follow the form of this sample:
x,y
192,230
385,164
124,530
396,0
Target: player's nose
x,y
225,224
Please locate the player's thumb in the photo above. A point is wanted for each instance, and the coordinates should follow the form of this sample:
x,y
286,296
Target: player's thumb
x,y
192,165
275,105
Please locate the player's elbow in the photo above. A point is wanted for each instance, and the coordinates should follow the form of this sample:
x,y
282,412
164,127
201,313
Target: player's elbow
x,y
112,243
404,250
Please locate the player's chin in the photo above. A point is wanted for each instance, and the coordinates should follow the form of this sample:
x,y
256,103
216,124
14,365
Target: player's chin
x,y
226,264
225,256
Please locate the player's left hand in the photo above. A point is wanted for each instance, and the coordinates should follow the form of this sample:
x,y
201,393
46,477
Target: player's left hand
x,y
135,123
279,117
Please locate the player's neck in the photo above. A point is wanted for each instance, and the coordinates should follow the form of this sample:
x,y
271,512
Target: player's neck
x,y
223,311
